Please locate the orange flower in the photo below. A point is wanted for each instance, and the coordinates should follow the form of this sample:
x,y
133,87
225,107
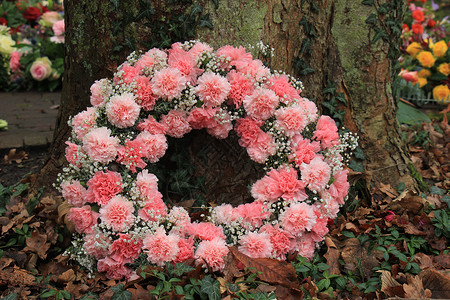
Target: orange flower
x,y
413,49
418,16
441,92
424,73
440,48
417,28
444,68
426,59
422,81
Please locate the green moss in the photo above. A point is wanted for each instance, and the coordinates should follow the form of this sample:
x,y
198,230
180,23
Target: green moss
x,y
423,186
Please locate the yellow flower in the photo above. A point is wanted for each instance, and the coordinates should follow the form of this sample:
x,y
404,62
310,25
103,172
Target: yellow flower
x,y
422,81
444,68
440,48
413,49
426,59
6,43
441,92
424,73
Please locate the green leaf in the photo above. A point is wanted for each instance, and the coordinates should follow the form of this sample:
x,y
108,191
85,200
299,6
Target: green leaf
x,y
356,166
407,114
367,2
123,295
49,293
12,296
182,268
211,287
89,296
436,191
379,33
348,234
372,19
323,266
179,290
359,154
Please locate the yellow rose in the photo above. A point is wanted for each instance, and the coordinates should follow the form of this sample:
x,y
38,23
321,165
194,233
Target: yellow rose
x,y
413,49
441,92
444,68
440,48
426,59
422,81
6,43
424,73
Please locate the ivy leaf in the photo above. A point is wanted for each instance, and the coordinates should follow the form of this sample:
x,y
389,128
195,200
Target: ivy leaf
x,y
367,2
182,268
359,154
378,35
196,9
12,296
356,166
330,89
211,287
372,19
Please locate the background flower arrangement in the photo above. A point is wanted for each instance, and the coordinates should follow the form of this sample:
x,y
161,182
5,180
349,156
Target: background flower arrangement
x,y
31,45
118,212
426,60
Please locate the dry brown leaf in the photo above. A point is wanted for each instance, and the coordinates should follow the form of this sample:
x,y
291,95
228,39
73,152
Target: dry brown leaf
x,y
231,270
353,254
284,293
15,156
17,220
332,256
37,243
388,190
436,282
67,276
272,270
17,276
414,288
424,261
410,228
443,261
387,281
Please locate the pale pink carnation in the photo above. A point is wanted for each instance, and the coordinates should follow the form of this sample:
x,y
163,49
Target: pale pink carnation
x,y
161,247
256,245
168,83
316,174
96,244
131,154
256,69
100,145
14,62
126,74
326,132
100,91
288,184
240,87
180,217
310,109
339,188
266,189
74,192
291,120
238,57
306,246
212,89
118,213
211,254
282,241
185,62
152,126
147,184
320,229
176,124
221,129
58,27
252,214
186,250
156,145
145,97
262,148
83,219
198,48
114,269
151,59
248,130
298,218
205,231
224,214
103,186
154,209
125,249
122,110
304,150
84,121
281,86
72,154
261,104
202,117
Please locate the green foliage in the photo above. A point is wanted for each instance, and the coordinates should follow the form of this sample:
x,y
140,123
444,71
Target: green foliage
x,y
12,191
119,293
441,222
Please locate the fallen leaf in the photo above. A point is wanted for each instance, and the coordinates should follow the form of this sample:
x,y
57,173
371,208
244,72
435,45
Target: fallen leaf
x,y
67,276
443,260
424,261
284,293
15,156
37,243
436,282
332,256
17,276
354,254
231,270
387,281
414,288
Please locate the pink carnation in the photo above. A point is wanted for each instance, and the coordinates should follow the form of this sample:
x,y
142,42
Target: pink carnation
x,y
212,89
221,129
205,231
211,254
319,229
326,132
248,130
237,57
282,241
74,192
281,86
168,83
297,218
151,59
303,150
240,87
122,110
288,184
145,97
224,214
316,174
113,268
256,245
152,126
186,250
156,145
14,62
310,109
147,184
198,48
252,214
262,148
202,117
261,104
154,208
180,217
72,154
125,249
256,69
185,62
161,247
266,189
100,145
96,244
126,74
305,246
131,154
175,123
291,120
118,213
103,186
84,121
100,91
339,188
83,219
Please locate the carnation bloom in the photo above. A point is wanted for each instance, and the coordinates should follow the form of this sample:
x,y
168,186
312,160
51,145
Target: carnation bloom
x,y
303,150
316,174
154,208
326,132
152,126
256,245
224,214
310,109
122,110
266,189
185,250
114,269
288,184
74,192
418,16
14,62
145,96
305,246
211,254
281,86
339,188
236,56
205,231
264,147
185,62
440,48
96,244
161,247
125,249
147,184
261,104
426,59
202,117
409,76
103,186
319,229
256,70
83,218
221,129
248,130
126,74
156,145
413,49
282,241
291,120
100,91
417,28
297,218
212,89
168,83
118,213
441,92
198,48
252,214
240,87
180,217
100,145
444,68
131,154
84,121
73,152
175,123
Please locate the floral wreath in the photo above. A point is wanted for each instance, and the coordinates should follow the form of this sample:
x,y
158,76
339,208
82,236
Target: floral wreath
x,y
118,213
